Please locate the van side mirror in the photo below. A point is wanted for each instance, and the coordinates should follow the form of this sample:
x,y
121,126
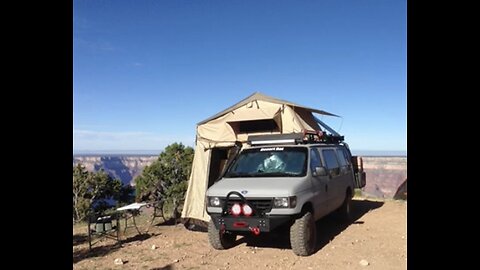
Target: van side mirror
x,y
320,171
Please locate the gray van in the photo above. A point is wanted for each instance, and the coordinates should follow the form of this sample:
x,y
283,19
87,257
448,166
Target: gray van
x,y
288,179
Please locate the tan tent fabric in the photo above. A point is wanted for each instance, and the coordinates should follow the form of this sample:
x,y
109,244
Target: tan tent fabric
x,y
219,131
194,205
260,96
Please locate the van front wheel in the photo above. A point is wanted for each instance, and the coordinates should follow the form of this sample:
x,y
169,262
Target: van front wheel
x,y
303,235
220,239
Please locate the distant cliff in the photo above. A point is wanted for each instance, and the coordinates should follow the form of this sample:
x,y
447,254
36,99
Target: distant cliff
x,y
384,174
125,168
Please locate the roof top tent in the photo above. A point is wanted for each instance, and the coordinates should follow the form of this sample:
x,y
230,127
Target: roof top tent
x,y
219,138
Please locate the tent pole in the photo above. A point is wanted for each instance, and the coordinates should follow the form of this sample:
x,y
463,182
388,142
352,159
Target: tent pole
x,y
325,126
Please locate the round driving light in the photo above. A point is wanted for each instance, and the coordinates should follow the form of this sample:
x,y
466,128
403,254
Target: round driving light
x,y
247,210
236,209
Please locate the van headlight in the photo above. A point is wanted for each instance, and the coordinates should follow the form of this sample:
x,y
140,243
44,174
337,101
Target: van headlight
x,y
214,201
285,202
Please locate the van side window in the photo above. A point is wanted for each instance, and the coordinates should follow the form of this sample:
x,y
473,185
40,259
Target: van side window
x,y
314,159
344,161
347,157
331,161
341,158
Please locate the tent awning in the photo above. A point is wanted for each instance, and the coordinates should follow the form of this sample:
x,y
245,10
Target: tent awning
x,y
260,96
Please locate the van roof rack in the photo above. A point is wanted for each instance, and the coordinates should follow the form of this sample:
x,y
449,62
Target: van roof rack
x,y
305,137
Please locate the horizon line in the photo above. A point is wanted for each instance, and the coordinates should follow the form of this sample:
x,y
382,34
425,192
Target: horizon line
x,y
157,152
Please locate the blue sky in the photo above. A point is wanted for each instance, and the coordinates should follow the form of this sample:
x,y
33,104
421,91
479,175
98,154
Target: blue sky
x,y
145,72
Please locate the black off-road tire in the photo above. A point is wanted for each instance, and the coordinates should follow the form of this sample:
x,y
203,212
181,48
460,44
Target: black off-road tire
x,y
303,235
220,240
344,213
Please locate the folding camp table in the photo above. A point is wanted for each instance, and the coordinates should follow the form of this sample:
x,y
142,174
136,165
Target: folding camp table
x,y
130,212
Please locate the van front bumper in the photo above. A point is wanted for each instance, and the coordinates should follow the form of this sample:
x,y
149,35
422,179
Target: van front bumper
x,y
246,224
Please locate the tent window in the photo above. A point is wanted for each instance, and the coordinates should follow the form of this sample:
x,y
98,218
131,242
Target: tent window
x,y
252,126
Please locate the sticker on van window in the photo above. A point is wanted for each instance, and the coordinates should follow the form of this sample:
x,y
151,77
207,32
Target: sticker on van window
x,y
272,149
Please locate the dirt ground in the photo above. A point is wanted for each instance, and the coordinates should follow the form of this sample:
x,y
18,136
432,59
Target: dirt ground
x,y
378,235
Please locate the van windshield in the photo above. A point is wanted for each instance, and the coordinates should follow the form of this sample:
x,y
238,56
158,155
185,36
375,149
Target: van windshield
x,y
270,162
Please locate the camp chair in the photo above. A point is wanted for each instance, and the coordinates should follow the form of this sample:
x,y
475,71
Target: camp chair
x,y
101,226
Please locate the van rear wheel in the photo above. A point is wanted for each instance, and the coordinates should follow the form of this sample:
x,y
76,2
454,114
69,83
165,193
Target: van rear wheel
x,y
344,213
